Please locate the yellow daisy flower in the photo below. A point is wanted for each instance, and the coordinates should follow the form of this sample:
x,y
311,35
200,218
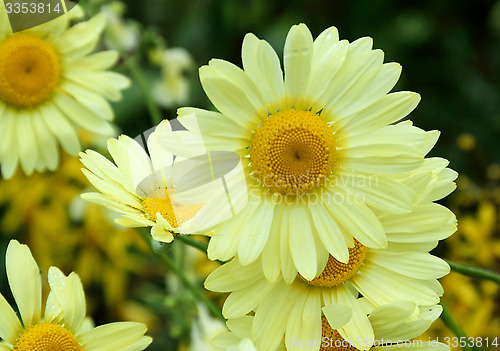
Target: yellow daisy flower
x,y
321,152
403,271
154,190
50,86
282,309
62,326
394,325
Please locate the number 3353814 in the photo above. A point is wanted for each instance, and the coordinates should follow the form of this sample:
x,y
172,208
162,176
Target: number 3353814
x,y
33,7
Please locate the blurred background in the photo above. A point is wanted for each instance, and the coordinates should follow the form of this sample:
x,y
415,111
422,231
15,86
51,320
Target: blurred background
x,y
450,53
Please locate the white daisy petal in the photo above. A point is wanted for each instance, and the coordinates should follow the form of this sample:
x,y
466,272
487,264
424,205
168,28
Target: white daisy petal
x,y
61,128
385,79
271,261
98,61
46,142
26,145
243,301
10,326
82,115
262,65
412,264
271,317
387,317
95,103
68,292
221,77
302,246
219,133
358,324
359,221
297,56
114,336
254,234
377,285
82,38
337,315
25,282
232,276
10,154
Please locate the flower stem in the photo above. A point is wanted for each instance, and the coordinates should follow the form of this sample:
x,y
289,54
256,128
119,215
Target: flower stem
x,y
142,82
450,322
192,242
174,269
474,271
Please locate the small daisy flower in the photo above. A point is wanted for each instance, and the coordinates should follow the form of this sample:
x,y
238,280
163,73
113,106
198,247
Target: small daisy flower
x,y
51,85
62,326
313,141
158,190
394,326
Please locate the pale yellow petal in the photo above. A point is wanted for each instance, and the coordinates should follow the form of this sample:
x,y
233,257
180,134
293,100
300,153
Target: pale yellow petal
x,y
68,293
117,336
25,282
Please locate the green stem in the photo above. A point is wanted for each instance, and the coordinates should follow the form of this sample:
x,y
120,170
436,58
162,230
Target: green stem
x,y
143,84
474,271
193,242
450,322
174,269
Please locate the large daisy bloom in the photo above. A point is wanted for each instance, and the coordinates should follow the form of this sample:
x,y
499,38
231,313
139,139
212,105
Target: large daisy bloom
x,y
62,326
394,326
321,152
159,190
403,271
286,310
51,85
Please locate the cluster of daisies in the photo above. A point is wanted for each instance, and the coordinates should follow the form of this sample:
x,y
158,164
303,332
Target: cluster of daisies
x,y
328,215
318,196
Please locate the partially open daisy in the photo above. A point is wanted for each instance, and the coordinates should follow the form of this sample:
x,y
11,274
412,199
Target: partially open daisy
x,y
63,326
394,326
295,305
51,86
147,189
320,151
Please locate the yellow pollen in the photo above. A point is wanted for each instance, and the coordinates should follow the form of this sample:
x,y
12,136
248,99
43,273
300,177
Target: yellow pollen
x,y
173,212
293,151
332,340
29,70
336,272
47,337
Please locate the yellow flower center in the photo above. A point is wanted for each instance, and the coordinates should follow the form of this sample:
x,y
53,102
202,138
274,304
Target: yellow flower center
x,y
47,337
336,272
173,212
29,70
293,151
332,340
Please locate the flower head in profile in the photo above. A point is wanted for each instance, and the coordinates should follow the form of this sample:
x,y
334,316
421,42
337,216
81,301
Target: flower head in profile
x,y
321,146
62,326
51,85
158,190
